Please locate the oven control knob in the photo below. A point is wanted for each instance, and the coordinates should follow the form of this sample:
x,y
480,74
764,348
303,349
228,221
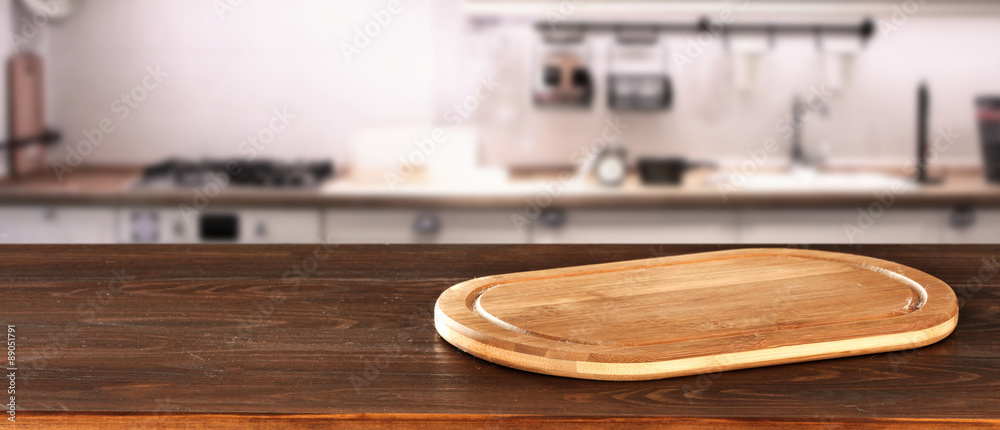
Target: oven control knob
x,y
553,217
145,227
427,224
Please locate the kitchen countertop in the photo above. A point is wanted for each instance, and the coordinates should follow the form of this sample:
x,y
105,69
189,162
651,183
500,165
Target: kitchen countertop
x,y
319,336
116,186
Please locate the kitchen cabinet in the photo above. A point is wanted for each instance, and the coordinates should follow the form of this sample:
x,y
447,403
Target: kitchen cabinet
x,y
637,226
152,225
422,226
841,226
241,225
57,224
777,226
966,225
281,226
98,224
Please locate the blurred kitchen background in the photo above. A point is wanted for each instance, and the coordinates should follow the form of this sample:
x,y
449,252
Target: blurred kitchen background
x,y
495,121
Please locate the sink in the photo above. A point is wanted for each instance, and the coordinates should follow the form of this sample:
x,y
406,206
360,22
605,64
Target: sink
x,y
811,180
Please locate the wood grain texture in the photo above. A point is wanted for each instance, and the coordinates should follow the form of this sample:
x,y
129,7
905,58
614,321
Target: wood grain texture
x,y
74,421
311,335
702,313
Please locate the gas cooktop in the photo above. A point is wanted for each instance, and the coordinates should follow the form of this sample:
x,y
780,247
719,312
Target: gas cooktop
x,y
176,173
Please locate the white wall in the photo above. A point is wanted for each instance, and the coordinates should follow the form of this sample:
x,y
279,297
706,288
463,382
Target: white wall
x,y
226,75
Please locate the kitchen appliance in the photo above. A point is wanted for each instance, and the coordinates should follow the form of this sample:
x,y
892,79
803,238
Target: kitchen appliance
x,y
666,171
637,73
215,223
988,113
176,173
639,92
428,156
203,221
564,77
698,313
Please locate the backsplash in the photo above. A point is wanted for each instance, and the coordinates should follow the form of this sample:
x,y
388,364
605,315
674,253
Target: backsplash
x,y
225,71
870,119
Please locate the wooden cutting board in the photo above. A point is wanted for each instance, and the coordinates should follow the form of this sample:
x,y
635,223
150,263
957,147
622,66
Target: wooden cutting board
x,y
699,313
27,112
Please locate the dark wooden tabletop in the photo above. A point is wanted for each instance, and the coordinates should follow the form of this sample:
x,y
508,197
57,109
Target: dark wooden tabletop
x,y
321,335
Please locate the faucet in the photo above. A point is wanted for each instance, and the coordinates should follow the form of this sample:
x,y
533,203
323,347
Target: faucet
x,y
800,112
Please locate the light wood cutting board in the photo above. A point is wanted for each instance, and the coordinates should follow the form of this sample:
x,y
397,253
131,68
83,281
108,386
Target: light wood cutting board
x,y
699,313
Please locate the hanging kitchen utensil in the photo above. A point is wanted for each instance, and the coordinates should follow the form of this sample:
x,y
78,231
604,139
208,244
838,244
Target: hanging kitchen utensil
x,y
564,77
713,85
698,313
638,72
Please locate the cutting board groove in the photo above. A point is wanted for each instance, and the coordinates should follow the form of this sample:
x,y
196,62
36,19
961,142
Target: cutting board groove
x,y
699,313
